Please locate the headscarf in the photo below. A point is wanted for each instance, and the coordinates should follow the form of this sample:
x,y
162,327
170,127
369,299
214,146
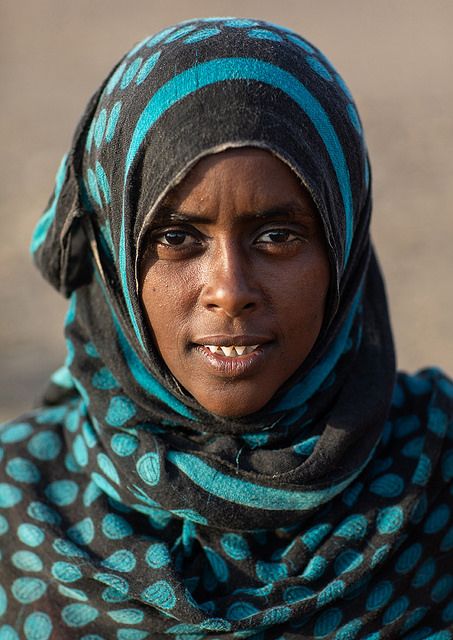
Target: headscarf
x,y
130,510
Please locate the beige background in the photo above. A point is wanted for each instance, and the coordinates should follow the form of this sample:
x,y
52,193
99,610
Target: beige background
x,y
397,57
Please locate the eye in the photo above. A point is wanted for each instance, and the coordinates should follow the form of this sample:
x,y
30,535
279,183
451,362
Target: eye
x,y
175,238
277,236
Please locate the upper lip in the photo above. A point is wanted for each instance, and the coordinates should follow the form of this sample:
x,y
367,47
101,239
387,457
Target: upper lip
x,y
226,341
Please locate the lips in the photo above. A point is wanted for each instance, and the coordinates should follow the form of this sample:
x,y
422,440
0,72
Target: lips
x,y
232,355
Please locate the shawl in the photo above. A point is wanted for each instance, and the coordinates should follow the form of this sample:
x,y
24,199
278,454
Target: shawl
x,y
126,509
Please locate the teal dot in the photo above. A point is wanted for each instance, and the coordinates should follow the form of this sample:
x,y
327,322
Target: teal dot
x,y
37,626
376,635
127,616
447,541
203,34
105,486
379,595
314,536
45,445
418,385
409,558
43,513
114,79
447,465
379,555
179,33
66,572
124,444
30,534
117,583
91,350
27,561
8,633
160,594
414,447
100,128
440,635
327,622
425,573
104,379
157,555
395,610
62,492
4,526
347,561
349,630
315,568
115,527
148,468
3,601
120,410
15,432
9,495
241,610
276,615
28,590
264,34
235,546
354,527
438,519
132,634
79,615
190,514
80,451
89,435
72,421
218,564
442,588
75,594
406,425
446,386
297,594
68,548
215,624
107,466
437,421
131,72
23,470
447,613
422,471
82,533
147,67
352,493
389,485
390,519
271,571
122,560
414,618
112,121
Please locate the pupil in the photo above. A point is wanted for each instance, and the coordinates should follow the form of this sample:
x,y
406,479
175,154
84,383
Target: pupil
x,y
279,236
175,237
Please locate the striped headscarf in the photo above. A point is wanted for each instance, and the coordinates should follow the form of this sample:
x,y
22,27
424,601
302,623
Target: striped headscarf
x,y
133,512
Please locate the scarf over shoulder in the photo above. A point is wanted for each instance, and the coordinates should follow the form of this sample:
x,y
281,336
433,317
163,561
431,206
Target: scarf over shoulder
x,y
127,510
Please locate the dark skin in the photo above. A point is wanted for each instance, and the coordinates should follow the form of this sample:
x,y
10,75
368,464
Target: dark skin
x,y
236,256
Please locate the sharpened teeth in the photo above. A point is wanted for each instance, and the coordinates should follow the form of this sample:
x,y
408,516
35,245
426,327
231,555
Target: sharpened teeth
x,y
231,351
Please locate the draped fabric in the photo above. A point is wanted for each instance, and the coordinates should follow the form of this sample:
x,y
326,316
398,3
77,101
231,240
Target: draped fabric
x,y
126,509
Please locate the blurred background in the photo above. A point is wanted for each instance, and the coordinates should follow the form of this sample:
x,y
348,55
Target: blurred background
x,y
397,58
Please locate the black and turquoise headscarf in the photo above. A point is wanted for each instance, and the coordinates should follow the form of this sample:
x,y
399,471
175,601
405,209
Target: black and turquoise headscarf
x,y
128,511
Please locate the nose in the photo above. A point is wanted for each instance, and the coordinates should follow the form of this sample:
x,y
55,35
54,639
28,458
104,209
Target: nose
x,y
229,286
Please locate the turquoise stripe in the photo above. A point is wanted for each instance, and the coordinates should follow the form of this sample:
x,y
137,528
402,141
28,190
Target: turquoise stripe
x,y
142,376
301,392
220,70
41,229
249,69
233,489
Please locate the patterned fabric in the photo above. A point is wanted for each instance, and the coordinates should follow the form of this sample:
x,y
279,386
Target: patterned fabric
x,y
128,511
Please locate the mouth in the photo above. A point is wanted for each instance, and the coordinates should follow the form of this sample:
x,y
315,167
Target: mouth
x,y
233,356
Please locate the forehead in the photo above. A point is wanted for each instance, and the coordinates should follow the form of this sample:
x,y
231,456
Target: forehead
x,y
246,175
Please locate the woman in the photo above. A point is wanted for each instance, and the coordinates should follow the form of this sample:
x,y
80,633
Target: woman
x,y
227,451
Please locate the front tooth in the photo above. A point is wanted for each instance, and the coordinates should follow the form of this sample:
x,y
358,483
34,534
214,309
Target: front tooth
x,y
252,348
240,350
212,348
227,350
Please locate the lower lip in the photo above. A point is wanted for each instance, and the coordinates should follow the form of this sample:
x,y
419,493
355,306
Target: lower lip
x,y
236,366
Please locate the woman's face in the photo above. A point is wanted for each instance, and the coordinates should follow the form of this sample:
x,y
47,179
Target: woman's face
x,y
234,279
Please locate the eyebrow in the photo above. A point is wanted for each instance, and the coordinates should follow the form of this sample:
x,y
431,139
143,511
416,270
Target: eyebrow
x,y
286,210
